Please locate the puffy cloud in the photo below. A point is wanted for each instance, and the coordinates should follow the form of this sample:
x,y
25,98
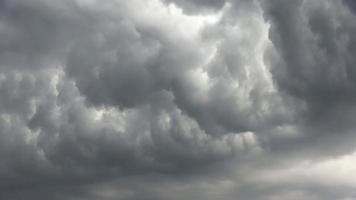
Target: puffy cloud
x,y
314,47
312,61
193,6
177,99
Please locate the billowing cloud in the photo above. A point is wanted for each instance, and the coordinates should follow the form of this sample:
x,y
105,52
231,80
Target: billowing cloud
x,y
165,99
191,6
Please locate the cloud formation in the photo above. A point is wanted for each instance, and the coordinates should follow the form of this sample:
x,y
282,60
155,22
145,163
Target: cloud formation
x,y
166,99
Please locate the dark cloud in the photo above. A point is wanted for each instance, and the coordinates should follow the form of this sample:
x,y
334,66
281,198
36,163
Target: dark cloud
x,y
315,44
312,61
35,33
351,4
196,100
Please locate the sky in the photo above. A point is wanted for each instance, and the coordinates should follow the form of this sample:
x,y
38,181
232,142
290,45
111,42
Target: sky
x,y
178,99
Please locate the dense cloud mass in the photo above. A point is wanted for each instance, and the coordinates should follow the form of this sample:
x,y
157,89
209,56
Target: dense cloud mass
x,y
178,99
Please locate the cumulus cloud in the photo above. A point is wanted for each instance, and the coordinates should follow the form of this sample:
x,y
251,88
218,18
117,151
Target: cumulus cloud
x,y
165,99
192,6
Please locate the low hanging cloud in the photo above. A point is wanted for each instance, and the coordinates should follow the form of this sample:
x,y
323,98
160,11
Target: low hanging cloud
x,y
166,99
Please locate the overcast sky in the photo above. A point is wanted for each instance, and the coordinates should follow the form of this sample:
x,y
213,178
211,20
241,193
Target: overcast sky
x,y
178,99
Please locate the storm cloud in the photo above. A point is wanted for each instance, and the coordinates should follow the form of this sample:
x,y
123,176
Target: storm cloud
x,y
170,99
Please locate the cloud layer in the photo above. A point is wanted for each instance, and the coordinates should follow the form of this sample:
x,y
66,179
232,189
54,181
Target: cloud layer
x,y
168,99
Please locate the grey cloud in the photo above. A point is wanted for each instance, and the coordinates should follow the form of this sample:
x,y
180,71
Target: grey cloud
x,y
61,142
351,4
130,70
35,34
312,61
193,6
137,100
315,43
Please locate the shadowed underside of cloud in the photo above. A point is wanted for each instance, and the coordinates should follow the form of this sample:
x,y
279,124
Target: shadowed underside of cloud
x,y
177,100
